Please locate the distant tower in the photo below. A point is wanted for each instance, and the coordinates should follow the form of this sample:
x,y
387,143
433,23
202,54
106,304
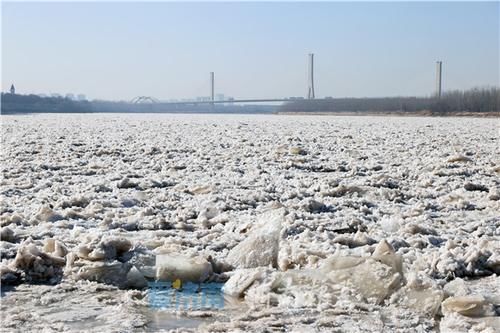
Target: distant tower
x,y
12,89
439,72
212,89
310,89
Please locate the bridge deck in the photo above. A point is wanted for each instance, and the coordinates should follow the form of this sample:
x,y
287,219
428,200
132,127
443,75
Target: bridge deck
x,y
268,100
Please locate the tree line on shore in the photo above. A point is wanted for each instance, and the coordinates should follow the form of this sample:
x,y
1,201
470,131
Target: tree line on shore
x,y
477,100
15,103
19,104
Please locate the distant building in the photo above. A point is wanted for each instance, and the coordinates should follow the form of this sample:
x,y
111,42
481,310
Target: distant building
x,y
12,89
70,96
81,97
219,97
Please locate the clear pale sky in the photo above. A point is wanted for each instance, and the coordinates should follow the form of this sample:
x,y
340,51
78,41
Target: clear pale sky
x,y
121,50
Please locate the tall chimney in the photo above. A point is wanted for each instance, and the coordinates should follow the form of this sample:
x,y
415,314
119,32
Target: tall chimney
x,y
212,86
439,70
310,90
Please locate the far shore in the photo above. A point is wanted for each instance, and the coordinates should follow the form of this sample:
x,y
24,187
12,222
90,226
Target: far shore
x,y
395,114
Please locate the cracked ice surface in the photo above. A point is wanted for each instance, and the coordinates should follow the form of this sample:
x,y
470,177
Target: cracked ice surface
x,y
290,209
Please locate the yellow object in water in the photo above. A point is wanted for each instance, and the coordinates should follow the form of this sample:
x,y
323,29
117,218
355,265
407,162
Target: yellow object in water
x,y
177,284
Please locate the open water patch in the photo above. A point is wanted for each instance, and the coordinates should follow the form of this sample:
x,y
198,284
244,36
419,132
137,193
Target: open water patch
x,y
188,297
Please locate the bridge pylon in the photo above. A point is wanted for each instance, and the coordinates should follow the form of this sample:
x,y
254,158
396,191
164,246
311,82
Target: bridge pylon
x,y
310,88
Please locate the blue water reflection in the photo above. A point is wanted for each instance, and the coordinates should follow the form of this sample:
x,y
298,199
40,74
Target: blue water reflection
x,y
192,296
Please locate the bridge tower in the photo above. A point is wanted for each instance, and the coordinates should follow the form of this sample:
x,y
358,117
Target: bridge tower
x,y
212,89
439,72
310,89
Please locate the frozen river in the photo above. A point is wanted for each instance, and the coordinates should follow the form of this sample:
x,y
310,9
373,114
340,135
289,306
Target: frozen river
x,y
310,223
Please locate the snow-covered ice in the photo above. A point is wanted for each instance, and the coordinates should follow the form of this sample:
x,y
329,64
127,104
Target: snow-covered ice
x,y
314,223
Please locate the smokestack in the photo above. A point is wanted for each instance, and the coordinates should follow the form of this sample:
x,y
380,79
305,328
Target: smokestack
x,y
439,69
310,90
212,86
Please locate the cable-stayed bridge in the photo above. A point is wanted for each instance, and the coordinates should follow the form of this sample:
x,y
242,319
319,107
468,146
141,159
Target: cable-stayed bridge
x,y
211,99
151,100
